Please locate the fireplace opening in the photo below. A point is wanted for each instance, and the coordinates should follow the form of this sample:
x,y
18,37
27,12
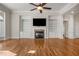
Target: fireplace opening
x,y
39,34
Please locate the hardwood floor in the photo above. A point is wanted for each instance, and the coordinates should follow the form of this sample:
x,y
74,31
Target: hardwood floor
x,y
40,47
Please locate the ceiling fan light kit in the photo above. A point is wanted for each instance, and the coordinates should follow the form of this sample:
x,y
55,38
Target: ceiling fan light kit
x,y
40,7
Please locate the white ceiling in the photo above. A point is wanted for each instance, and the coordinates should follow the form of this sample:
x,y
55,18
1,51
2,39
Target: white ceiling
x,y
27,6
73,10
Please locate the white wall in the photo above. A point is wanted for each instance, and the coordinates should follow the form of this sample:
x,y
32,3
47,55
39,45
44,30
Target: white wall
x,y
60,28
15,26
55,17
76,25
71,27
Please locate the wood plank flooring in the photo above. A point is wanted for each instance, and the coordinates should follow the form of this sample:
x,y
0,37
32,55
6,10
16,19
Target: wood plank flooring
x,y
42,47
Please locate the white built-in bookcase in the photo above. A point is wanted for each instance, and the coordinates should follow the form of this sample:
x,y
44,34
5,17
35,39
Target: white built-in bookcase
x,y
27,28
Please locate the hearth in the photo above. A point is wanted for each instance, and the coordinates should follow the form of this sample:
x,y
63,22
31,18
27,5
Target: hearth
x,y
39,34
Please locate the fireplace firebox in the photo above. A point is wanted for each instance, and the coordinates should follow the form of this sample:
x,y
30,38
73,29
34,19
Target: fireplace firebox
x,y
39,34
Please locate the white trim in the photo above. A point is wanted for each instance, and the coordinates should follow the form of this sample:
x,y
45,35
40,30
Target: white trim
x,y
4,25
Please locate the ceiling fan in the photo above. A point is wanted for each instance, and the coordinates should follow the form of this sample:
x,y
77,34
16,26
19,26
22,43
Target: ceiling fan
x,y
40,7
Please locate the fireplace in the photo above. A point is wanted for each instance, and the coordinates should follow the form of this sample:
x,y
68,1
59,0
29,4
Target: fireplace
x,y
39,33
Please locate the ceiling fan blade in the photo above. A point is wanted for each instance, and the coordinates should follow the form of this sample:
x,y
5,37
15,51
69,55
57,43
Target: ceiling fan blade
x,y
44,4
47,8
40,4
40,11
33,9
33,4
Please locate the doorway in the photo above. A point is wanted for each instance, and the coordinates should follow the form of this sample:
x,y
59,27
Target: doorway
x,y
65,35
